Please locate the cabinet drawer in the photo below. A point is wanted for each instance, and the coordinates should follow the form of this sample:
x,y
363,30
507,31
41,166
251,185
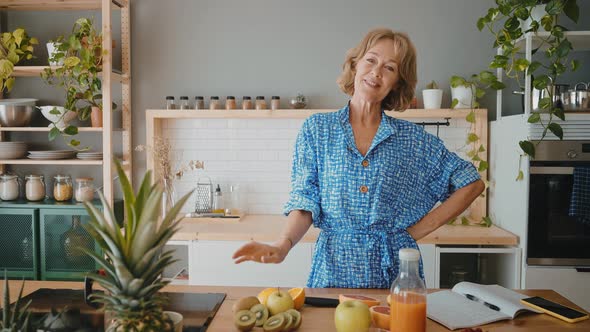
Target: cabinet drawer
x,y
18,247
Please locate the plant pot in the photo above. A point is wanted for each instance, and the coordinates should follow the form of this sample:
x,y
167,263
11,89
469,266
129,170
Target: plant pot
x,y
96,117
464,95
432,98
58,120
176,320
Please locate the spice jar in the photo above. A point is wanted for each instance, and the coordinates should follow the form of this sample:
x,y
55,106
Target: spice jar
x,y
230,103
214,103
84,189
199,103
9,187
62,188
170,104
275,103
247,103
260,103
34,187
184,103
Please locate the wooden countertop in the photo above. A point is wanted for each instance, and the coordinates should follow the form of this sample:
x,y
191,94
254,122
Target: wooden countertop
x,y
268,227
322,319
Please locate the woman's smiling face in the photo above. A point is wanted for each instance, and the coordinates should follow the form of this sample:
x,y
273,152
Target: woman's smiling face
x,y
377,72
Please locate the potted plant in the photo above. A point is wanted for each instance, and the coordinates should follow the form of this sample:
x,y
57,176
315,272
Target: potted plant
x,y
504,22
14,47
135,256
432,96
81,54
15,317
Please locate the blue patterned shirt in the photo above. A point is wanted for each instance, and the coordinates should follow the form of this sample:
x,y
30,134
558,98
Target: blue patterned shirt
x,y
363,204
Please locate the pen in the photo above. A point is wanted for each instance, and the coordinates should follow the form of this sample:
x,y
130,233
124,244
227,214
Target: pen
x,y
489,305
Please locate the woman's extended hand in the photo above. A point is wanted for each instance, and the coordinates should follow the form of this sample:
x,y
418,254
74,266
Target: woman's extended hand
x,y
260,252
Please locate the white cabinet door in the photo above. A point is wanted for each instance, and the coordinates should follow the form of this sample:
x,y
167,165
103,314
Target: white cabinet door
x,y
566,281
211,264
428,258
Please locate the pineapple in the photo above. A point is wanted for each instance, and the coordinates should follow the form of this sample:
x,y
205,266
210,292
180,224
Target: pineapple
x,y
15,318
134,257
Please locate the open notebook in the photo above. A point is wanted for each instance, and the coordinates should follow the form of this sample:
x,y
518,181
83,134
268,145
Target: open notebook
x,y
469,305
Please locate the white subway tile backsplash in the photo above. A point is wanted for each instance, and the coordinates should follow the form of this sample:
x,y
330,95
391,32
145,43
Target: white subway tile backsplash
x,y
256,154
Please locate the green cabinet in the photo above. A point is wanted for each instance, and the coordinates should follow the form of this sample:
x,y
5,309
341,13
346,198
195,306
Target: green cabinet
x,y
42,240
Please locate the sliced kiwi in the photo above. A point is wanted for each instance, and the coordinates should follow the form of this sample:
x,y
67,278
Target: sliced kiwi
x,y
245,320
245,303
274,323
261,312
296,318
288,322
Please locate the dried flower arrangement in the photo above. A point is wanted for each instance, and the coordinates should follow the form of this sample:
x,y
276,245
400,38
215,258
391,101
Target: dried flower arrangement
x,y
161,152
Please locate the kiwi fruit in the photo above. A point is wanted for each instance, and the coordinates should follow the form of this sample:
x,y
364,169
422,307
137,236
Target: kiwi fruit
x,y
296,318
288,321
245,320
245,303
261,312
275,323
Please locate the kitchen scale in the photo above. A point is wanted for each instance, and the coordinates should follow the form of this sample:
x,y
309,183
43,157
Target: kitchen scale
x,y
198,309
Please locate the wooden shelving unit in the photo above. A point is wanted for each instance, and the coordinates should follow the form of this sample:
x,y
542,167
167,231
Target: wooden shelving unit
x,y
156,117
108,78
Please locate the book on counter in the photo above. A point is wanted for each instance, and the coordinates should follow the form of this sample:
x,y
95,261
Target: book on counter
x,y
469,304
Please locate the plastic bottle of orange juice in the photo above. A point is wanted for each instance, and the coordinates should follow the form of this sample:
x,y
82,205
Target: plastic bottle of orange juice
x,y
408,295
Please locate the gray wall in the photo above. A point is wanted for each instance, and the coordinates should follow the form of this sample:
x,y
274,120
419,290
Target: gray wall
x,y
279,47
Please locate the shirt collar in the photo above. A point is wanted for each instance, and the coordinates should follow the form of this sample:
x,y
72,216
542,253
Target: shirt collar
x,y
385,130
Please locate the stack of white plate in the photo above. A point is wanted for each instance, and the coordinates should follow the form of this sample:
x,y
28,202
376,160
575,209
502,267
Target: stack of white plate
x,y
52,154
12,150
90,155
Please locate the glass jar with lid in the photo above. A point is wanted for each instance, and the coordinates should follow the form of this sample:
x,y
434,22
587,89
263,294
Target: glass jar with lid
x,y
62,188
247,103
230,103
199,103
9,187
214,103
34,187
84,189
260,103
184,103
170,103
275,103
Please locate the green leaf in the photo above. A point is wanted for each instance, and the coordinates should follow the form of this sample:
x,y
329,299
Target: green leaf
x,y
486,221
533,67
497,85
457,81
452,221
53,133
71,61
534,118
9,83
547,22
559,113
74,143
564,48
545,103
541,82
487,77
522,13
571,10
520,176
575,64
528,148
482,149
472,137
521,64
512,24
479,92
483,166
464,221
481,23
556,129
71,130
454,102
470,117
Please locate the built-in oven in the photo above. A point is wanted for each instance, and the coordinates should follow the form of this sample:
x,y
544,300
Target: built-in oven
x,y
559,205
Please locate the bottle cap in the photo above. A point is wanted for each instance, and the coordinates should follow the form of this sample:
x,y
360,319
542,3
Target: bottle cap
x,y
231,97
214,97
246,98
218,189
183,97
169,97
199,98
276,97
259,97
408,254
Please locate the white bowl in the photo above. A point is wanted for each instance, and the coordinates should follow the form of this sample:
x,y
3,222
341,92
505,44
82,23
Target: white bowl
x,y
54,118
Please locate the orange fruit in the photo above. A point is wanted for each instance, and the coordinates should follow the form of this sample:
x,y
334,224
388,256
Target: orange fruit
x,y
367,300
263,295
298,296
380,316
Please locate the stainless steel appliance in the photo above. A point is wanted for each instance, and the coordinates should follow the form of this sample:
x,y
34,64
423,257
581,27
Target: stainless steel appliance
x,y
557,235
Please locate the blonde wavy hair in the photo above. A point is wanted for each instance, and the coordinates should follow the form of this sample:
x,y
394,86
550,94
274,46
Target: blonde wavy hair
x,y
400,98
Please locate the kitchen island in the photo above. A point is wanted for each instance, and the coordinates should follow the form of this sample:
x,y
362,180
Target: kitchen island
x,y
322,319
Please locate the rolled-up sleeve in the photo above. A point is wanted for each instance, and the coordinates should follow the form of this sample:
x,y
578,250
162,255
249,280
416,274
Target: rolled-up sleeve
x,y
448,171
304,175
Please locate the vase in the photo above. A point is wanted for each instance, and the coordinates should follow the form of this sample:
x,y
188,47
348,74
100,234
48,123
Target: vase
x,y
168,196
464,96
74,239
432,98
96,117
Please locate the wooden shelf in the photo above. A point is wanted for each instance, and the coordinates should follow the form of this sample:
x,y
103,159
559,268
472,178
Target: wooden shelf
x,y
57,4
580,39
35,71
51,162
46,129
295,114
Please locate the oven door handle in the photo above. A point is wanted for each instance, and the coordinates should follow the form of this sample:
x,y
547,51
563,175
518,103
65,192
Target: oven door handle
x,y
551,170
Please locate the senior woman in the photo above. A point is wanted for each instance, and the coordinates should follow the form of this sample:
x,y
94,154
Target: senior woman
x,y
368,181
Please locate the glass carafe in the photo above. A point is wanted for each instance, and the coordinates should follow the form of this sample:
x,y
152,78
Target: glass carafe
x,y
408,295
74,239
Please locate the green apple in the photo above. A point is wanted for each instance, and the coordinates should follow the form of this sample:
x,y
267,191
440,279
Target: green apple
x,y
352,316
279,301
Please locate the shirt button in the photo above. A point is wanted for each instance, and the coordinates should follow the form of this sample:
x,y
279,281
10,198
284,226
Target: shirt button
x,y
365,163
364,189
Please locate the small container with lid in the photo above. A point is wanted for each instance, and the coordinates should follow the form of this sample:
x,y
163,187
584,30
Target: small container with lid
x,y
62,188
34,187
230,103
9,187
260,103
170,103
84,189
275,103
199,103
247,103
214,103
184,103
